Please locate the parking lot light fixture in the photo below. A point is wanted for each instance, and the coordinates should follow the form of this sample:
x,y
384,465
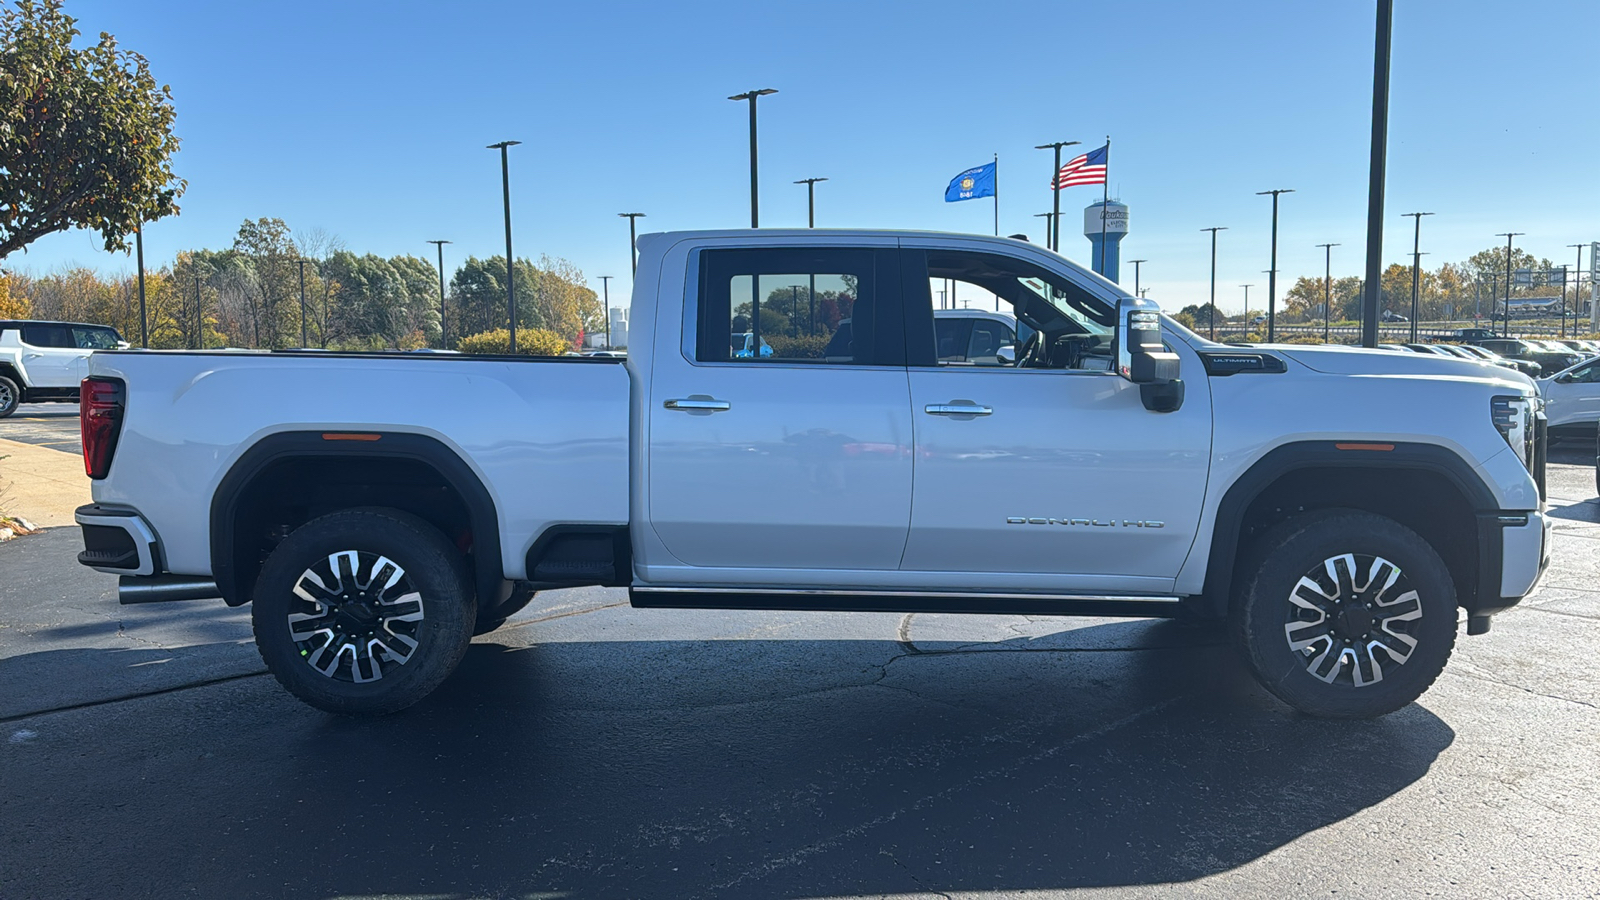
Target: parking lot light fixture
x,y
1055,190
811,199
633,241
1577,293
605,286
511,266
1506,327
1416,269
1049,227
1136,264
1211,315
1327,288
755,200
444,333
1272,273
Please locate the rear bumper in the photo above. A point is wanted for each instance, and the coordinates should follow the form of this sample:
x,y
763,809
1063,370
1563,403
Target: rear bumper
x,y
117,541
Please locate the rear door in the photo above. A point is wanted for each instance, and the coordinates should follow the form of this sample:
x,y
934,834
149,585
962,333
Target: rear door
x,y
793,461
50,356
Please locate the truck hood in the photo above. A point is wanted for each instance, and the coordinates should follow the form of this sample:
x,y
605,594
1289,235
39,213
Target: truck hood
x,y
1362,361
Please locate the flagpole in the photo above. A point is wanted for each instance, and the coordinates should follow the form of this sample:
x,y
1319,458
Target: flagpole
x,y
1105,200
997,195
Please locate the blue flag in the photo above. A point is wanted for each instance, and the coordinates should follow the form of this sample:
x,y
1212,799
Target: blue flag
x,y
971,184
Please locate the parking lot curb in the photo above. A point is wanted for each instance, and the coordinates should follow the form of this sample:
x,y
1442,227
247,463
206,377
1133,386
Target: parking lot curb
x,y
40,484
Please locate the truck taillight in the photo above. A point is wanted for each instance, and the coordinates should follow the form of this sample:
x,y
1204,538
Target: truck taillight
x,y
99,421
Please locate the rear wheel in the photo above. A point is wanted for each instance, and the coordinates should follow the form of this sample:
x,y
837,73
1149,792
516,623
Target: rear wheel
x,y
10,396
363,612
1345,614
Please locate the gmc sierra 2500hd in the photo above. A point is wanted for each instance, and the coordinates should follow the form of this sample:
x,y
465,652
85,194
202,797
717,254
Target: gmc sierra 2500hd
x,y
1337,506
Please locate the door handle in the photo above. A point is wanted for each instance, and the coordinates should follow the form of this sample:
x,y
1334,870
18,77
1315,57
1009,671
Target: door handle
x,y
957,409
698,405
33,356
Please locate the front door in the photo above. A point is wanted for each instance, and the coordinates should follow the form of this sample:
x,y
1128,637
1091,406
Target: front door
x,y
780,435
1049,474
51,356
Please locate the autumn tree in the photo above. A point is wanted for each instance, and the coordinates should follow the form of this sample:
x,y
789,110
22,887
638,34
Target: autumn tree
x,y
12,305
270,251
85,133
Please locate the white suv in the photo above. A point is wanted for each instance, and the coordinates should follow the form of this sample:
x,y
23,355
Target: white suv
x,y
975,336
44,361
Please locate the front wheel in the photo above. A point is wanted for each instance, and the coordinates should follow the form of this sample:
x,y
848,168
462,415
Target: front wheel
x,y
1345,614
363,612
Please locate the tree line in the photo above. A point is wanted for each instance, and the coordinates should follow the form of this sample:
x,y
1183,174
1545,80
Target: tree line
x,y
250,295
1453,291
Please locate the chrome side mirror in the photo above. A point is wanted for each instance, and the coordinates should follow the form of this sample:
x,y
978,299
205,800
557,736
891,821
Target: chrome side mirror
x,y
1007,355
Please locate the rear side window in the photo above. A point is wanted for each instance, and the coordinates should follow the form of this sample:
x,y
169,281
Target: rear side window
x,y
59,336
794,305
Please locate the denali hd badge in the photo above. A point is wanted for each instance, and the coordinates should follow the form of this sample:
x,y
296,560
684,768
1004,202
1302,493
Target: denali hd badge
x,y
1091,523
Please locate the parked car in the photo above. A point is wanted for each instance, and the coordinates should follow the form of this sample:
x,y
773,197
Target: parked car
x,y
1572,400
1469,334
977,336
377,510
1390,315
743,345
42,362
1525,366
1548,361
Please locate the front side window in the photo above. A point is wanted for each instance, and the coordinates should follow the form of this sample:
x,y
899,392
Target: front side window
x,y
788,305
1060,325
94,338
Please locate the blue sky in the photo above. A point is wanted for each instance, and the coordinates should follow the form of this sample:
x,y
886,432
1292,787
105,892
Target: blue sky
x,y
370,119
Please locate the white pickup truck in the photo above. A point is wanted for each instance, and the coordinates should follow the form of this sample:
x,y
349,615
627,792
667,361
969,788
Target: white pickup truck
x,y
42,362
1342,509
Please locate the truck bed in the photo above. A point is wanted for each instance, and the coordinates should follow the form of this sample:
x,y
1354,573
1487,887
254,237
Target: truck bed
x,y
547,437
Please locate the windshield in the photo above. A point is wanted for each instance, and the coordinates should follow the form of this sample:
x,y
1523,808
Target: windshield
x,y
94,338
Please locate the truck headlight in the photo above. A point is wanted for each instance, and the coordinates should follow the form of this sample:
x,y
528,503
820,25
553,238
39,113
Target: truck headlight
x,y
1513,417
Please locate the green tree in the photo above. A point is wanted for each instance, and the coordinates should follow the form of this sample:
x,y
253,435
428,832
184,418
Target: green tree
x,y
267,247
85,133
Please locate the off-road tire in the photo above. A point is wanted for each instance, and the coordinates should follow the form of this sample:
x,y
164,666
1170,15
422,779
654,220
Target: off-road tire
x,y
1265,621
431,569
10,396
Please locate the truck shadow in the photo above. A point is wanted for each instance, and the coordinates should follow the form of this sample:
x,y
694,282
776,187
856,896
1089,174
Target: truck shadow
x,y
811,768
1120,754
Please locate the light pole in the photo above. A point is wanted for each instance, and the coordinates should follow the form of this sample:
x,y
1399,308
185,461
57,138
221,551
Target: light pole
x,y
1508,235
1247,288
199,315
1416,269
1049,227
1327,287
1055,189
633,239
605,285
444,333
302,263
1373,284
1211,315
1272,274
144,321
811,199
755,202
1136,264
1577,293
511,266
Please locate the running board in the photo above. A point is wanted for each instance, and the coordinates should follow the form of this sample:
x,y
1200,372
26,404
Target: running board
x,y
907,602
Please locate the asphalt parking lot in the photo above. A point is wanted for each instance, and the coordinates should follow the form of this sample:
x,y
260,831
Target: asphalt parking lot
x,y
589,749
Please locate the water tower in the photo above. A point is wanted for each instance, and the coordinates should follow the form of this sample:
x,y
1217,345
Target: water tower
x,y
1115,220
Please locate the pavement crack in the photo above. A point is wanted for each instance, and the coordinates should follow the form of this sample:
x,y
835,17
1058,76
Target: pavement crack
x,y
903,635
912,875
90,704
1459,672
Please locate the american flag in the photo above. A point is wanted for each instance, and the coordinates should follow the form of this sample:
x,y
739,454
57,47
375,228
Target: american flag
x,y
1090,168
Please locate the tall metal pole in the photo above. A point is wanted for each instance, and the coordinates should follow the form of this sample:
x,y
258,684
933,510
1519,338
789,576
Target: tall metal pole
x,y
511,265
444,332
1136,264
605,285
1577,292
1247,288
1211,315
1508,235
199,316
997,200
302,263
633,241
811,199
1272,274
1372,285
1416,269
144,322
755,199
1563,332
1049,220
1055,191
1327,288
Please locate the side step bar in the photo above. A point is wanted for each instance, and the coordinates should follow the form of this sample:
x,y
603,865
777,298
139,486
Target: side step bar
x,y
908,601
162,588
